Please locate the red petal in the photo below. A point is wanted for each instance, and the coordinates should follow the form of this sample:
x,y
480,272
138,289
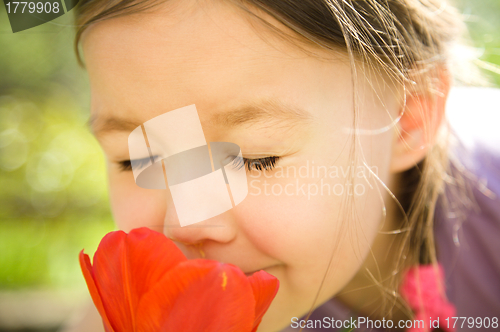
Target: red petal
x,y
264,286
94,293
152,259
199,295
126,267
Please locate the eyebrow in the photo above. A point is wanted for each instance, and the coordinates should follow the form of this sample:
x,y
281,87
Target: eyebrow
x,y
266,111
99,127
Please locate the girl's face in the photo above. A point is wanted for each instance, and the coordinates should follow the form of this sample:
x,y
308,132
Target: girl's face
x,y
318,200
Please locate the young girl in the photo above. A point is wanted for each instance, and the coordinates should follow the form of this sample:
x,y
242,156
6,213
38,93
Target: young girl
x,y
338,108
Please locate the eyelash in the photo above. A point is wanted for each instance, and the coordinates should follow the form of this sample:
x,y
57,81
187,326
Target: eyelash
x,y
259,164
126,165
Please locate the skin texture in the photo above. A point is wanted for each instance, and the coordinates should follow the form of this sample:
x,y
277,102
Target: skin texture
x,y
216,57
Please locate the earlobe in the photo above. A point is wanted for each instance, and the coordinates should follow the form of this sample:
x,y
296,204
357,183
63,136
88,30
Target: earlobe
x,y
420,121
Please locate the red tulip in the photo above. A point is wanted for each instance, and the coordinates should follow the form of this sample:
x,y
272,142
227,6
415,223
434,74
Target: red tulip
x,y
142,282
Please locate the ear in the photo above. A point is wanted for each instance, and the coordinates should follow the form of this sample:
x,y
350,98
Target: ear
x,y
421,119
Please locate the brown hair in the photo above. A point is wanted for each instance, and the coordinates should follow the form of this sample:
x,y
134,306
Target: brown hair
x,y
409,39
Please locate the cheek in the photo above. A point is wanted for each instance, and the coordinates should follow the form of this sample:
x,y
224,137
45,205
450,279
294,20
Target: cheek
x,y
291,218
288,228
133,206
303,233
302,220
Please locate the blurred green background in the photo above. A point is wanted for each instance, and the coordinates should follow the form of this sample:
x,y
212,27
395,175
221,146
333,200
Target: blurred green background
x,y
53,190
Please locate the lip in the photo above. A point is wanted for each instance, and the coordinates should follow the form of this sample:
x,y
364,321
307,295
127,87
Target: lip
x,y
249,274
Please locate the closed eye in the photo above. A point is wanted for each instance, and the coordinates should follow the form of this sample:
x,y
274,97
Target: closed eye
x,y
126,165
260,164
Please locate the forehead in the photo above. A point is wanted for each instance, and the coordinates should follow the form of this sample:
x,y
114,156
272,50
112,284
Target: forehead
x,y
201,52
192,31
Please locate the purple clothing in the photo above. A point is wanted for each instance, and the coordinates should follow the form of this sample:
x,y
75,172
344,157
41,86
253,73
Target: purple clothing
x,y
469,251
468,245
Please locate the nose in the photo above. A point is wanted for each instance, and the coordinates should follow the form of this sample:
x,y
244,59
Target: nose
x,y
221,228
